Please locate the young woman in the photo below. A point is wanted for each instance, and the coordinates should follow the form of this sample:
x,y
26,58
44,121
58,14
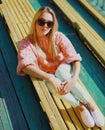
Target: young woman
x,y
49,55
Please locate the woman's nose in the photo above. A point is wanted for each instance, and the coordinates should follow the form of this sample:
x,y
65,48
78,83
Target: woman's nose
x,y
45,25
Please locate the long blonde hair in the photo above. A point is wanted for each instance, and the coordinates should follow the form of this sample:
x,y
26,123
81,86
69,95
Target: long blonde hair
x,y
32,31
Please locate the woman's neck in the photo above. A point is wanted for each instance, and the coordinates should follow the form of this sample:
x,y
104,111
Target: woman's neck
x,y
42,36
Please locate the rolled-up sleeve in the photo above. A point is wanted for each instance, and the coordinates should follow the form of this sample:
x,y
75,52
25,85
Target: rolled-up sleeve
x,y
66,47
26,56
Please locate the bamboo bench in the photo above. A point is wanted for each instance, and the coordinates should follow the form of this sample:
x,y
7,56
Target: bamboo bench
x,y
86,33
18,16
93,11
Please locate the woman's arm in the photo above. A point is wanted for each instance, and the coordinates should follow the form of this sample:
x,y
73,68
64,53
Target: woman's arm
x,y
76,69
35,72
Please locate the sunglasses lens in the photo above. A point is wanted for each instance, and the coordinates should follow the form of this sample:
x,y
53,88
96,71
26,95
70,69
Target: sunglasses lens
x,y
42,22
49,23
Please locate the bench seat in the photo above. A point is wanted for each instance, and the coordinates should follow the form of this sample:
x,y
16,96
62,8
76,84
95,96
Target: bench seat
x,y
61,115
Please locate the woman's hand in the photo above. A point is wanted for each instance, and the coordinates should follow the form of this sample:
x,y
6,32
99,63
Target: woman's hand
x,y
63,87
56,83
67,85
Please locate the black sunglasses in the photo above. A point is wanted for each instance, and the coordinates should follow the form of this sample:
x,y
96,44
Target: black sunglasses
x,y
42,22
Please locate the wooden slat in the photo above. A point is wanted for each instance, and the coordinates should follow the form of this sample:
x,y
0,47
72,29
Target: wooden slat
x,y
64,113
26,10
46,106
14,31
73,116
22,29
10,25
30,9
26,27
9,8
53,106
18,10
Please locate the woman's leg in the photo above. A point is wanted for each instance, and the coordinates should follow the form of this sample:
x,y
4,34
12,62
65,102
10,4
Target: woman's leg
x,y
63,72
67,97
79,93
62,75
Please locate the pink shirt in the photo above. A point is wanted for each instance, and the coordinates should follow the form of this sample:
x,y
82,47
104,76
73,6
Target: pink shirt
x,y
27,54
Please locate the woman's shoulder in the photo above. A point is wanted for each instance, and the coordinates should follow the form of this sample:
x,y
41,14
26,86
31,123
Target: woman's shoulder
x,y
59,36
24,42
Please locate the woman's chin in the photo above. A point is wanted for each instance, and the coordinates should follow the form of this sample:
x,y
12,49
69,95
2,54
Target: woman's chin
x,y
45,33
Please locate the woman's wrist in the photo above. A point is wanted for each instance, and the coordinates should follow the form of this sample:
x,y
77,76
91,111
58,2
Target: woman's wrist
x,y
74,77
50,76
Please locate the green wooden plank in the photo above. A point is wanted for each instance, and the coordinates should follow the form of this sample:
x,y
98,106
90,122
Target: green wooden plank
x,y
5,123
9,99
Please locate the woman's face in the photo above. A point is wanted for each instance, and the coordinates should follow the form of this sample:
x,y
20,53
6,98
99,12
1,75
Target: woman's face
x,y
44,24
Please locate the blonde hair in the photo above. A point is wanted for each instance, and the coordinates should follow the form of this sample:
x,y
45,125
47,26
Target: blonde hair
x,y
32,31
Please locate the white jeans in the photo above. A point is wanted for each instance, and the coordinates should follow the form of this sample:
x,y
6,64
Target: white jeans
x,y
76,94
